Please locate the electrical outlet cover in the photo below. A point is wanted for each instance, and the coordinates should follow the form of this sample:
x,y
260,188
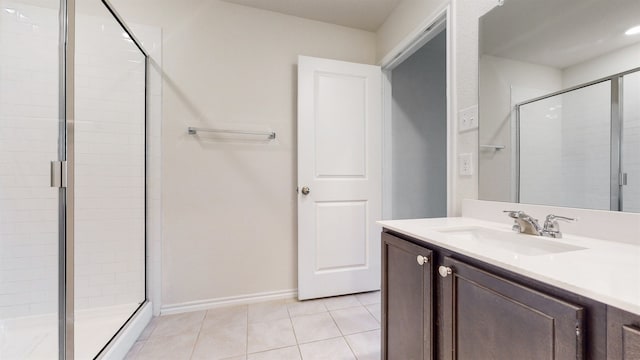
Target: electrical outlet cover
x,y
465,164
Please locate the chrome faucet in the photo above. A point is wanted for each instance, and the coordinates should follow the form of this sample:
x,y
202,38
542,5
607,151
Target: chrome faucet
x,y
551,226
526,224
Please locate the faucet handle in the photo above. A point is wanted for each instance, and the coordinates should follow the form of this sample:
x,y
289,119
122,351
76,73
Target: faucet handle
x,y
551,226
513,213
552,217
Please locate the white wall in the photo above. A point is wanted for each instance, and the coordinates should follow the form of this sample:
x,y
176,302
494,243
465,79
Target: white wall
x,y
500,80
230,206
419,133
466,16
616,62
408,16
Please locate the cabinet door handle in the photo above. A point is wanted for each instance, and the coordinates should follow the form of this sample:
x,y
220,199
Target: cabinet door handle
x,y
445,271
422,260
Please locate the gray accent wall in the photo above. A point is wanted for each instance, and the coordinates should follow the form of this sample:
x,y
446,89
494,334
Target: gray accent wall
x,y
419,133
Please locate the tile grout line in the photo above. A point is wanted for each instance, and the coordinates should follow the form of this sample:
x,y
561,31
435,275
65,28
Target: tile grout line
x,y
336,323
343,336
193,349
268,350
350,348
265,321
294,332
349,344
372,314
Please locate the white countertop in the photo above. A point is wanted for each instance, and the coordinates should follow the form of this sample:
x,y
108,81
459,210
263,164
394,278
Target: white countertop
x,y
606,271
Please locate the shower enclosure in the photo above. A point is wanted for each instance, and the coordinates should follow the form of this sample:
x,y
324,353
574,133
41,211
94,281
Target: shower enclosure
x,y
581,147
72,178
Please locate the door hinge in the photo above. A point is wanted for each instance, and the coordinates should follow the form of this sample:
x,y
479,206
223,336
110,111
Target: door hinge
x,y
59,174
622,179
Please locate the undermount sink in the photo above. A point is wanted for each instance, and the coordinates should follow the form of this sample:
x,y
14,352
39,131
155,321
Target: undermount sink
x,y
522,244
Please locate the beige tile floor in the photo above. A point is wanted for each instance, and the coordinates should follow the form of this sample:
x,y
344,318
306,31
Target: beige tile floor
x,y
344,327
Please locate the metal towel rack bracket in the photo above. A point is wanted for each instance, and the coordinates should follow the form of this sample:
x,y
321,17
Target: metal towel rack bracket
x,y
269,134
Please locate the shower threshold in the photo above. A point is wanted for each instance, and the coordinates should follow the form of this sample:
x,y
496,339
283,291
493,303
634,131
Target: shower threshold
x,y
36,337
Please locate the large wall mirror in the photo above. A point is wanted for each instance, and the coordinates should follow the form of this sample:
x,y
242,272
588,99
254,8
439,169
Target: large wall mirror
x,y
560,103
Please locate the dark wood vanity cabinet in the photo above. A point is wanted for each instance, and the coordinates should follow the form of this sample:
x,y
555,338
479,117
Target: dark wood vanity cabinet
x,y
456,307
487,317
407,300
623,335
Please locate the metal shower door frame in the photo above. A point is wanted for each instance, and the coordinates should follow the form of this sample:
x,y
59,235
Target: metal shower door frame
x,y
65,193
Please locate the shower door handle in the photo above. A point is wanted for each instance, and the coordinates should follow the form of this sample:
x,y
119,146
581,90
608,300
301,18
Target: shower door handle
x,y
59,174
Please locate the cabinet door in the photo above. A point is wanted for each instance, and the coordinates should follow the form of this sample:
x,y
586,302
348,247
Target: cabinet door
x,y
487,317
406,300
623,335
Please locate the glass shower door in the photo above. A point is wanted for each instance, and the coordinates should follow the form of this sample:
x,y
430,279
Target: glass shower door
x,y
109,178
29,206
564,149
99,214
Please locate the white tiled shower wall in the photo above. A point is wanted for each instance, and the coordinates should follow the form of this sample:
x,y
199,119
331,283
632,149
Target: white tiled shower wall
x,y
28,141
109,163
110,142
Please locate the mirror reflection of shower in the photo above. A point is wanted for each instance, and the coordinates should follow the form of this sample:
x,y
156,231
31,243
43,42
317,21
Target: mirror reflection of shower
x,y
581,147
564,54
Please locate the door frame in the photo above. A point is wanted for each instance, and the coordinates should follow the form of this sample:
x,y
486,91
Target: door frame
x,y
425,32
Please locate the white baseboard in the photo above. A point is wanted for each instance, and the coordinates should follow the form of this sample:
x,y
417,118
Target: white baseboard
x,y
227,301
120,346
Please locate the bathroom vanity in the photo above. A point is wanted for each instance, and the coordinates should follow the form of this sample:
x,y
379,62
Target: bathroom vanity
x,y
461,288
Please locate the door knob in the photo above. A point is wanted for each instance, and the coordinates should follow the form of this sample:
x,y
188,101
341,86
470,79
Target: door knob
x,y
305,190
444,271
422,259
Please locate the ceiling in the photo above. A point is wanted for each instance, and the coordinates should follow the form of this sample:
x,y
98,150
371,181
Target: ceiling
x,y
558,33
367,15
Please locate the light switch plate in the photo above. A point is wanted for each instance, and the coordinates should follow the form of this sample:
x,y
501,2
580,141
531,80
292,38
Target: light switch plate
x,y
468,118
465,164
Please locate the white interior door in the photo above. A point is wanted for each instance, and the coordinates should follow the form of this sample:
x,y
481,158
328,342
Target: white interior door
x,y
339,162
